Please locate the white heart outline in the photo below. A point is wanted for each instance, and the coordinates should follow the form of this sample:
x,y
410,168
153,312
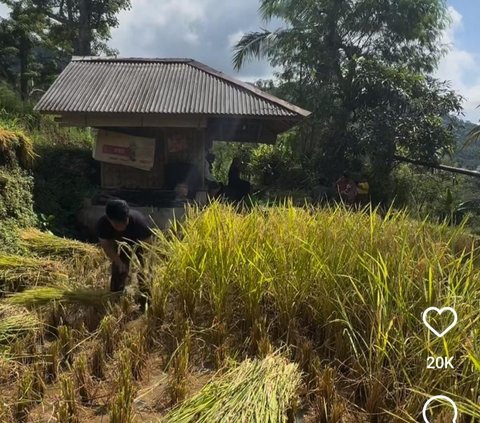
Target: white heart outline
x,y
440,311
440,397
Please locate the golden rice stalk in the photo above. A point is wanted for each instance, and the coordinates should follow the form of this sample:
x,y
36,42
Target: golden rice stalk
x,y
17,272
121,410
83,379
45,295
15,322
30,392
66,409
5,413
48,244
16,148
254,391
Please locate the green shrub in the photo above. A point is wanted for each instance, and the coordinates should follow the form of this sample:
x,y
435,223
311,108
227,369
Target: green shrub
x,y
16,205
64,176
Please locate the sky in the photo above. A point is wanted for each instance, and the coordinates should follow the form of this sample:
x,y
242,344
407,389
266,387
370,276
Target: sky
x,y
206,30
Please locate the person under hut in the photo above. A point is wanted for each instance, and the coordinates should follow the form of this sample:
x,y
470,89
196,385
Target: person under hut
x,y
214,188
238,188
120,224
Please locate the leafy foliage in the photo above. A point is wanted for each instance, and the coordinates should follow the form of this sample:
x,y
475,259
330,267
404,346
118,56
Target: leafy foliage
x,y
83,24
361,67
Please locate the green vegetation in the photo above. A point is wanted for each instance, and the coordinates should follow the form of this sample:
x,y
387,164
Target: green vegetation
x,y
365,79
339,292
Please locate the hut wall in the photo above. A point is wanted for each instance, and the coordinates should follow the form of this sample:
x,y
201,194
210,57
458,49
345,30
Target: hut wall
x,y
172,145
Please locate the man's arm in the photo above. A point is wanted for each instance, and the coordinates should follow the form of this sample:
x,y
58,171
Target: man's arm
x,y
109,246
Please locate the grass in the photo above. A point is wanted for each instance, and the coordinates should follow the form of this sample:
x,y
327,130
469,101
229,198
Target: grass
x,y
254,391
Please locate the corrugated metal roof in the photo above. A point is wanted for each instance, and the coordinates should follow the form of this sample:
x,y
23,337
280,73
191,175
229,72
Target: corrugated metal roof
x,y
160,86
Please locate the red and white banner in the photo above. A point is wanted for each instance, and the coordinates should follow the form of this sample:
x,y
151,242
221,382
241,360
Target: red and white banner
x,y
123,149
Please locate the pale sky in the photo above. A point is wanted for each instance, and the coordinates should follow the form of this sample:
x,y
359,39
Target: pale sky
x,y
206,30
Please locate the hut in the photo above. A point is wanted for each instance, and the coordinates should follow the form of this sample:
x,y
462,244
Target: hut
x,y
155,119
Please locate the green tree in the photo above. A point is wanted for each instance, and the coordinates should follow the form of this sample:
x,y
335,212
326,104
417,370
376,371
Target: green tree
x,y
19,36
83,26
362,67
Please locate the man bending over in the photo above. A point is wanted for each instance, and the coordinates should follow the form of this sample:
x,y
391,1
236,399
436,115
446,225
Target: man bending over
x,y
122,224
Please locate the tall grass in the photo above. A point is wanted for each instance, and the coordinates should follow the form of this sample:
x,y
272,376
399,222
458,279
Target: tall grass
x,y
354,284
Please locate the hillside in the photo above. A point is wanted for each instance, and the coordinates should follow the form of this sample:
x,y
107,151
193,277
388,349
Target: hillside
x,y
468,156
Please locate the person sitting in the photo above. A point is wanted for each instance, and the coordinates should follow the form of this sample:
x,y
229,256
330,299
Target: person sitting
x,y
184,174
346,189
238,187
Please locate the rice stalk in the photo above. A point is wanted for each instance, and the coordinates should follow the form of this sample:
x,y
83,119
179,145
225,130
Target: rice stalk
x,y
352,284
29,392
254,391
121,410
66,410
16,322
47,244
98,360
109,334
41,296
17,272
16,148
83,380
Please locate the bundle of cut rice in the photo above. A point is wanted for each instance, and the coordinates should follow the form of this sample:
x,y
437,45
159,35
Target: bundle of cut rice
x,y
48,244
17,272
16,149
256,391
44,295
15,322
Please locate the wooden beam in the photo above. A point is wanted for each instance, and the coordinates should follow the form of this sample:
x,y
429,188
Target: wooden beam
x,y
132,120
445,168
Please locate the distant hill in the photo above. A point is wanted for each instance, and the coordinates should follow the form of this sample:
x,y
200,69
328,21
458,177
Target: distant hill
x,y
467,157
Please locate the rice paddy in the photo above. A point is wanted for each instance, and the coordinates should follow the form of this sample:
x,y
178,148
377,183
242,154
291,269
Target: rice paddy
x,y
280,314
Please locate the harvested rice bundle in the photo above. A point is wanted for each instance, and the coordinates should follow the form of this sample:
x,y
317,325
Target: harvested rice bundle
x,y
45,295
17,272
47,244
255,391
16,148
15,322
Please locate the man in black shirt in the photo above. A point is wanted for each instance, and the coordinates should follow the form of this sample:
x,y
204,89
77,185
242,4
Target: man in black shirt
x,y
122,224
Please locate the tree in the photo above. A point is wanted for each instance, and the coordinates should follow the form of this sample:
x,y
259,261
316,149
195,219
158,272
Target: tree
x,y
84,24
19,36
362,67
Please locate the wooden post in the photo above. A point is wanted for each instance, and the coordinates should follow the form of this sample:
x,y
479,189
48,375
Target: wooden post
x,y
203,159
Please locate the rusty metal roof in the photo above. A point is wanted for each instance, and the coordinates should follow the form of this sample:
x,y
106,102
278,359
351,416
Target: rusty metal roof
x,y
160,86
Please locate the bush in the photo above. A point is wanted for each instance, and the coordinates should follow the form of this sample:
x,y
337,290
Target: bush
x,y
64,176
16,205
276,166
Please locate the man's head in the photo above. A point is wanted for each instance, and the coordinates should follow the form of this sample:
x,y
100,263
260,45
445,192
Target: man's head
x,y
117,212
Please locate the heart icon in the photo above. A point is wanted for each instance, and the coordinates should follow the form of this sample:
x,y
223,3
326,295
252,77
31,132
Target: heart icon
x,y
439,311
439,398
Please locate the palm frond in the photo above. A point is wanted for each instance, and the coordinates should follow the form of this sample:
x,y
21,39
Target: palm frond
x,y
274,8
472,137
254,45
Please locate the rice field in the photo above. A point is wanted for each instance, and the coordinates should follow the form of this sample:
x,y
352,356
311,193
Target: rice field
x,y
279,314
